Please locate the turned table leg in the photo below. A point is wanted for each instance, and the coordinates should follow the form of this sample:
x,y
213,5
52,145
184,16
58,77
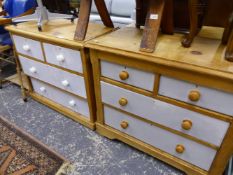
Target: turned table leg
x,y
152,26
193,16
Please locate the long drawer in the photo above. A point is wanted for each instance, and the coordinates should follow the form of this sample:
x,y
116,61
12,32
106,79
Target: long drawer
x,y
63,57
128,75
197,95
58,96
189,151
57,77
201,126
28,47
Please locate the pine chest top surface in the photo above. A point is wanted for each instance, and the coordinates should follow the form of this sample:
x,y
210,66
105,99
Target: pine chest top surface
x,y
205,55
58,31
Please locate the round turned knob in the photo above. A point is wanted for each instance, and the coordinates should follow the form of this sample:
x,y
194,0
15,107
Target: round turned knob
x,y
60,58
65,83
32,70
42,89
180,149
124,125
187,124
26,48
123,102
194,95
72,103
124,75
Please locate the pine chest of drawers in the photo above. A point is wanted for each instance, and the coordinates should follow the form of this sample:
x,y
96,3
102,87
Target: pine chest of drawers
x,y
175,104
58,68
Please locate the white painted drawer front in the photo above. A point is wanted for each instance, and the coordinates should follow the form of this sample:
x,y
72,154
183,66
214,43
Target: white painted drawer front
x,y
194,153
136,77
204,127
210,98
58,96
64,57
28,47
59,78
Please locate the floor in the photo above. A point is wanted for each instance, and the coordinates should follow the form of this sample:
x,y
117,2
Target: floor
x,y
90,153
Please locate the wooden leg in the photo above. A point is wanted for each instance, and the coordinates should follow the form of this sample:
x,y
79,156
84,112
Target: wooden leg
x,y
152,26
229,51
227,31
168,19
83,20
139,13
193,16
103,12
18,69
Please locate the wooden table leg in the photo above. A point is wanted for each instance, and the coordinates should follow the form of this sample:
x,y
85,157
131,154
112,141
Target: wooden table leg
x,y
152,26
229,50
103,12
193,16
83,20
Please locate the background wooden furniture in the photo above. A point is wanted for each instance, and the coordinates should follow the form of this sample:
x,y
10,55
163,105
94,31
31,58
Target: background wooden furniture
x,y
58,68
174,18
84,15
174,104
217,14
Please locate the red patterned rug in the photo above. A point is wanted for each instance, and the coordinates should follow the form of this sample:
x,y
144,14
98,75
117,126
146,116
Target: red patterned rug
x,y
21,154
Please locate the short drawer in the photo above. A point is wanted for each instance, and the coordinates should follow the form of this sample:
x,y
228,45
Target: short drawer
x,y
180,119
67,81
189,151
208,98
58,96
128,75
28,47
63,57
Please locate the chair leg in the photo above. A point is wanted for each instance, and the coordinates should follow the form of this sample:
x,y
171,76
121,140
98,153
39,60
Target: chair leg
x,y
193,16
139,13
84,15
152,26
229,50
227,31
103,12
167,25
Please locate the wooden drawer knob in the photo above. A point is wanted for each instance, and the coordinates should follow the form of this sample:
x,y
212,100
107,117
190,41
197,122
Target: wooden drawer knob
x,y
124,75
187,124
124,125
194,95
123,102
180,149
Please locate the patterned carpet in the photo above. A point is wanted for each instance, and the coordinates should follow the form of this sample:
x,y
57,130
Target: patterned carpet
x,y
21,154
90,153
